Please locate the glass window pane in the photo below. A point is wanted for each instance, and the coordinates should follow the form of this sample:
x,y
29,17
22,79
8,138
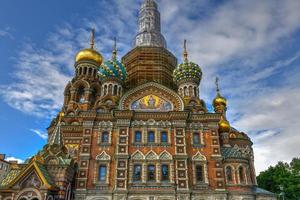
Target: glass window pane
x,y
165,172
199,173
196,138
137,172
229,173
151,173
164,137
102,173
138,136
151,136
105,137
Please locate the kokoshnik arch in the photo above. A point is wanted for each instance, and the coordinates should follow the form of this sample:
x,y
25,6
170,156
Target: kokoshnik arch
x,y
138,129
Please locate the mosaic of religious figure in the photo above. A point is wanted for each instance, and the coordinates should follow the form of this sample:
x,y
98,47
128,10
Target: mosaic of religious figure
x,y
151,103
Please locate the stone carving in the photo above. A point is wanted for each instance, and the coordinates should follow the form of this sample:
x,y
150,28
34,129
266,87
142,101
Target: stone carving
x,y
138,156
165,156
103,156
151,155
199,157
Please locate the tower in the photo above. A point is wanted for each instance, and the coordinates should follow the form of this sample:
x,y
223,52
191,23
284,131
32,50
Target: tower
x,y
82,92
149,60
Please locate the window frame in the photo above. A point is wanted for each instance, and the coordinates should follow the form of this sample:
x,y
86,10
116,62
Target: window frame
x,y
202,173
135,136
133,173
165,178
148,174
166,135
148,136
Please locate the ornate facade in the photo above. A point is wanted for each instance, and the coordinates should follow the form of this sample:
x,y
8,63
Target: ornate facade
x,y
138,130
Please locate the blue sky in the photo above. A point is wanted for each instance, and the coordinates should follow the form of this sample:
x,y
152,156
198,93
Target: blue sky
x,y
252,46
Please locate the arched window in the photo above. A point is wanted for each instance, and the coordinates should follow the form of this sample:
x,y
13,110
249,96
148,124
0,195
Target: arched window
x,y
110,89
115,90
241,174
137,172
80,95
190,91
185,90
164,137
138,136
105,137
102,173
195,92
90,71
105,89
180,92
84,70
229,175
165,172
93,96
151,172
199,173
196,138
151,136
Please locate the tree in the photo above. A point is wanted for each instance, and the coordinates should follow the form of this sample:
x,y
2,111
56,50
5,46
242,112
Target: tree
x,y
285,175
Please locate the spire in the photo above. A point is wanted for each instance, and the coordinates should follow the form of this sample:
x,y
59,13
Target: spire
x,y
217,86
185,53
92,38
115,51
149,33
56,137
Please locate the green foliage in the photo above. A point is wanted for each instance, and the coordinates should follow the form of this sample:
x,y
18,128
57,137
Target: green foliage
x,y
285,175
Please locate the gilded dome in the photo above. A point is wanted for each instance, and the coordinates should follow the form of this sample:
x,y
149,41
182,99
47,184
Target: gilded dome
x,y
187,71
89,54
219,101
112,68
224,126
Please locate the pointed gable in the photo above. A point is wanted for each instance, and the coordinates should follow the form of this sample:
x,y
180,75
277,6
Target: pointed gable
x,y
151,155
165,156
138,155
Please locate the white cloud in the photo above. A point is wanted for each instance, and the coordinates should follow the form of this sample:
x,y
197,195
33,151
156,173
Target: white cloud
x,y
11,158
40,133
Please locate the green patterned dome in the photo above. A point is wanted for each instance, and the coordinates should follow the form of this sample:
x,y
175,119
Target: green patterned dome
x,y
112,68
187,71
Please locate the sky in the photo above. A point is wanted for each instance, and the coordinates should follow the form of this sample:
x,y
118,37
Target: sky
x,y
252,46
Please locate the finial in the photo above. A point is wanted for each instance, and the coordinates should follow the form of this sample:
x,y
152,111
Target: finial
x,y
93,38
114,53
217,85
185,53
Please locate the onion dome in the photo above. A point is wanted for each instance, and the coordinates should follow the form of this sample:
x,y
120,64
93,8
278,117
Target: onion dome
x,y
187,71
112,68
224,126
90,53
219,100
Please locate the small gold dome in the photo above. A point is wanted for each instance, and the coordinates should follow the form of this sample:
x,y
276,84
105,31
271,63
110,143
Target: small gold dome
x,y
219,100
89,54
224,126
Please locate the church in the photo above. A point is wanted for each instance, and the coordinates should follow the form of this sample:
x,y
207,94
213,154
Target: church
x,y
138,129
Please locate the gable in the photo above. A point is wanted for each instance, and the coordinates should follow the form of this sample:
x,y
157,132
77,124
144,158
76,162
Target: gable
x,y
151,97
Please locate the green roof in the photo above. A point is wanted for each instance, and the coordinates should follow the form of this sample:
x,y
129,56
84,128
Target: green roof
x,y
233,152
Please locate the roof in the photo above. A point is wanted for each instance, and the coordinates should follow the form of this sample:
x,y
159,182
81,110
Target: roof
x,y
234,152
12,174
16,174
258,190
